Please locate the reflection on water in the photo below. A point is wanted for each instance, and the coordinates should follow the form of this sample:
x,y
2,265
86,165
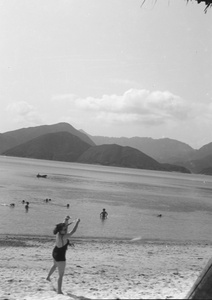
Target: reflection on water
x,y
133,199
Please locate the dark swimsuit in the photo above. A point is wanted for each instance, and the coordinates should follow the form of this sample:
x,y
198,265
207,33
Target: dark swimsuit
x,y
59,254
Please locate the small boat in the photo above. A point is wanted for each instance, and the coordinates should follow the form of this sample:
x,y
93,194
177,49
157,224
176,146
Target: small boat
x,y
41,176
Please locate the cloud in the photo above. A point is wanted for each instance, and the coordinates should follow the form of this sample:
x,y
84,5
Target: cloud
x,y
136,112
24,112
136,105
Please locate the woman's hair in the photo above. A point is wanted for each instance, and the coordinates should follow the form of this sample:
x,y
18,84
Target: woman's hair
x,y
58,228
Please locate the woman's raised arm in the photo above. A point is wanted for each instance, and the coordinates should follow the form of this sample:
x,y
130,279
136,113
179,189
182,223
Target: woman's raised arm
x,y
68,234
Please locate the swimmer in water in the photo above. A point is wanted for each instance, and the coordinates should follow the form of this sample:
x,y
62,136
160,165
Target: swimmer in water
x,y
103,214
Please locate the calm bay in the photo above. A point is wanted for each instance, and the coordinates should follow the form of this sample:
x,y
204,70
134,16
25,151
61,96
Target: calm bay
x,y
133,199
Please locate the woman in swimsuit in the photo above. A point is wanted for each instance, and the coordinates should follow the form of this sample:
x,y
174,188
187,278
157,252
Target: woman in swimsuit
x,y
59,251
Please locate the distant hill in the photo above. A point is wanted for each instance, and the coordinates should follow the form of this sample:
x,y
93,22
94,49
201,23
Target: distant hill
x,y
196,166
6,142
207,171
115,155
17,137
175,168
64,146
166,151
119,156
204,151
172,155
163,150
200,159
61,146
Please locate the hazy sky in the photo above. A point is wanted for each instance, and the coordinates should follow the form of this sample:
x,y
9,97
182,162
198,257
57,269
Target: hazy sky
x,y
109,67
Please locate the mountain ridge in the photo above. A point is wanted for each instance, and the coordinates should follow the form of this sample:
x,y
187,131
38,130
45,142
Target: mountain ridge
x,y
165,151
61,146
125,156
20,136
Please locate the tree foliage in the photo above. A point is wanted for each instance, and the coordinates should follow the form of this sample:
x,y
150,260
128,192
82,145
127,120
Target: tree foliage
x,y
207,3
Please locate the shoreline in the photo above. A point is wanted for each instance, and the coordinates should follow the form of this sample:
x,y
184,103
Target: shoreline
x,y
138,241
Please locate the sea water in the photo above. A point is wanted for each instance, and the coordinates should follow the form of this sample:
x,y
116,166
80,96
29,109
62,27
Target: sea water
x,y
133,198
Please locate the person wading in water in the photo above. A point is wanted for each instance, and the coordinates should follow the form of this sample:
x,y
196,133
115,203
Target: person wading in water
x,y
103,214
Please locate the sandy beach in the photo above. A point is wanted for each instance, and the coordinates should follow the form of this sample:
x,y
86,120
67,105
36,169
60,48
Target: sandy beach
x,y
100,269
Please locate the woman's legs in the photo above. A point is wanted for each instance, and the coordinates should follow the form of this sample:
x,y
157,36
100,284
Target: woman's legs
x,y
53,268
61,269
